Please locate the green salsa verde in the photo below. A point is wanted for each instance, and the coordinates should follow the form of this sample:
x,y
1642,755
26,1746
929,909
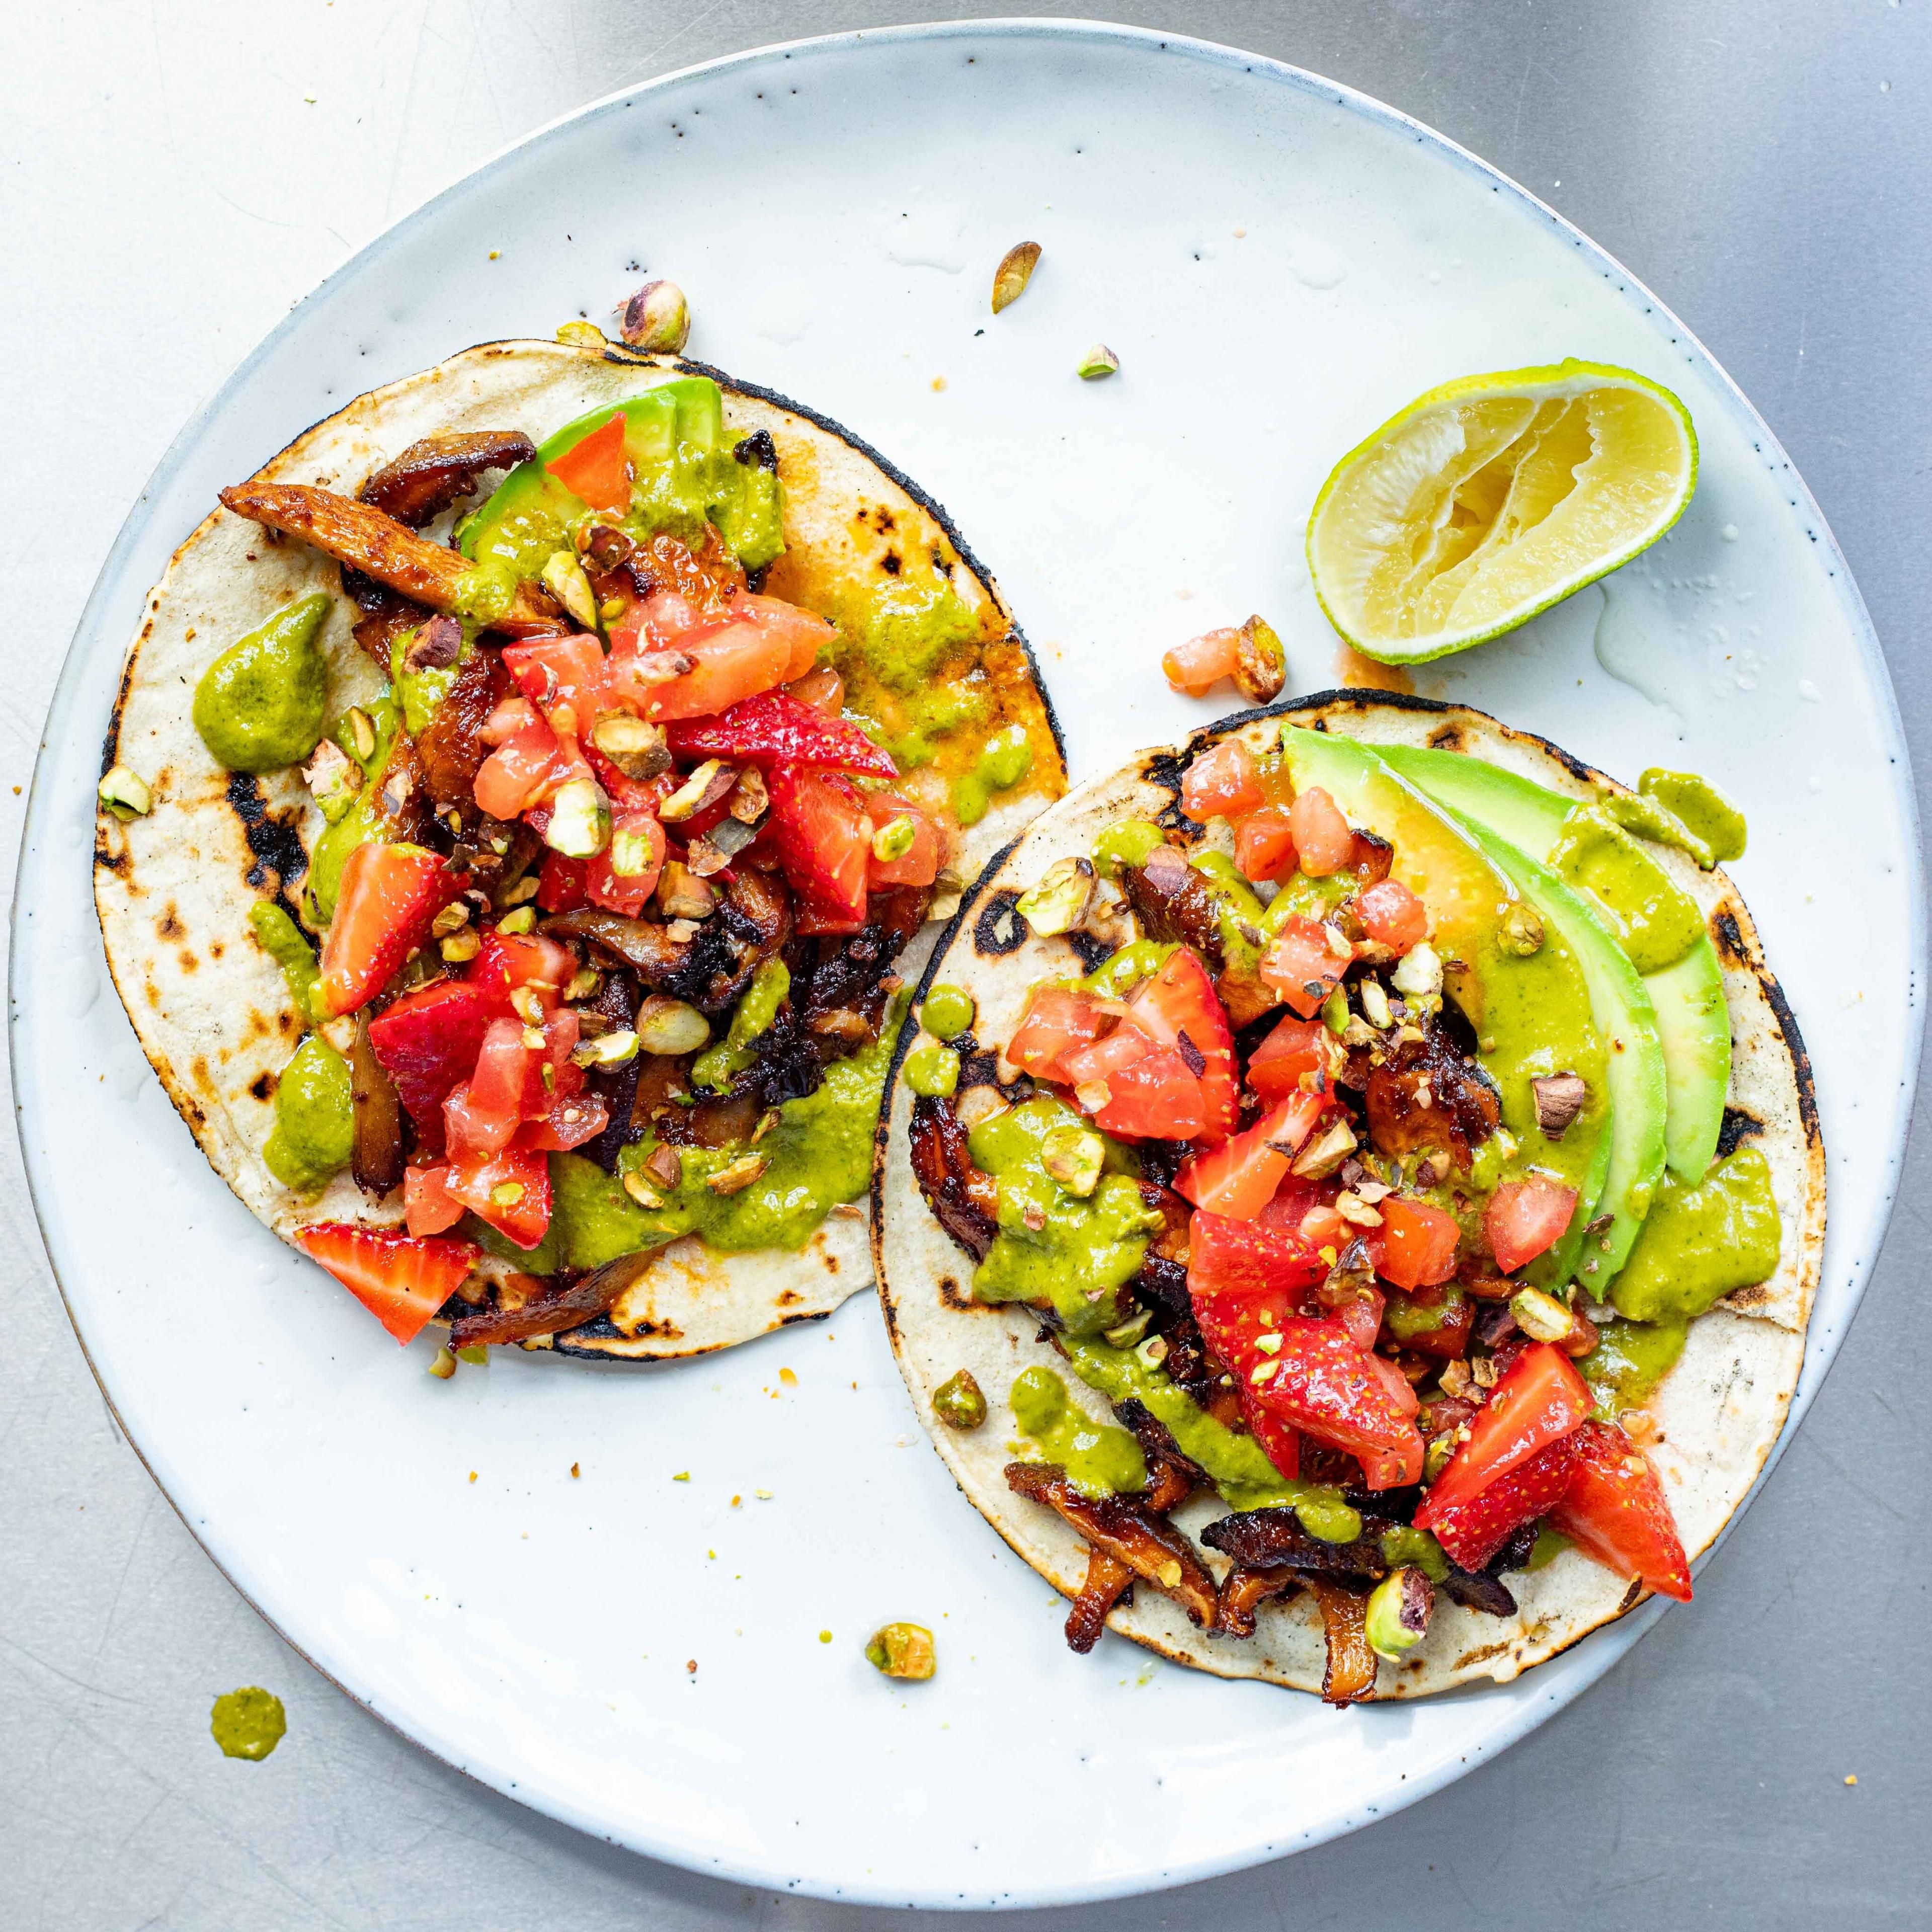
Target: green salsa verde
x,y
281,939
1654,920
1710,816
1099,1460
1699,1242
315,1128
260,705
1630,1359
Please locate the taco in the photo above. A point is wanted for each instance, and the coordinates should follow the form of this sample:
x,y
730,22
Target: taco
x,y
525,799
1350,1214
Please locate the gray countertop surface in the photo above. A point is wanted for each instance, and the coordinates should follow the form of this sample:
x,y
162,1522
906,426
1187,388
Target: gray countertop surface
x,y
170,187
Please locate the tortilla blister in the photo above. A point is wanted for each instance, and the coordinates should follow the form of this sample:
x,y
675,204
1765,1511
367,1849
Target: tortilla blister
x,y
173,888
1718,1412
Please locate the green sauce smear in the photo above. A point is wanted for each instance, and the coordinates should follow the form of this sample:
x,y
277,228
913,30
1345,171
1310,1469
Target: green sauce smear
x,y
1697,804
1699,1242
281,939
260,706
718,1066
315,1126
248,1723
1654,921
1630,1359
1006,759
363,821
1099,1460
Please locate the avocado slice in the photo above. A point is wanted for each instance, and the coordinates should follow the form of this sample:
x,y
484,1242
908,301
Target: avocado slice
x,y
1693,1024
1635,1071
1532,1015
685,472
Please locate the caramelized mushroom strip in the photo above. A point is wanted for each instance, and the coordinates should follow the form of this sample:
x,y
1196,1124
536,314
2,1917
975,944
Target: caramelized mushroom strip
x,y
583,1302
379,546
643,944
1244,1591
1276,1537
377,1160
1351,1670
1107,1578
1154,1550
430,476
943,1169
450,746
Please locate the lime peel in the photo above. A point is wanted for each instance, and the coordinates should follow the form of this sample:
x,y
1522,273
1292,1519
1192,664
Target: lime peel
x,y
1488,499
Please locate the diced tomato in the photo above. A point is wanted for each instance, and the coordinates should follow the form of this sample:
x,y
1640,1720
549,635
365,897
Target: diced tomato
x,y
480,1116
1540,1399
427,1042
524,769
919,865
1473,1531
565,1078
1101,1059
1221,783
1055,1019
512,716
1616,1510
1295,1048
1278,1442
1156,1098
428,1207
1524,1218
775,728
1250,1257
1327,1387
1265,844
1416,1243
596,468
1300,965
572,1119
507,960
1392,915
638,843
1177,1007
563,677
1197,666
760,643
823,839
560,884
1239,1178
510,1190
401,1280
1321,834
389,896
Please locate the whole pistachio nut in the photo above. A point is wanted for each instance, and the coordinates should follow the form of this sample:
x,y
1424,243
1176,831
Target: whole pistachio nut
x,y
665,1025
1522,931
1014,272
1399,1608
1541,1317
657,318
1098,361
903,1650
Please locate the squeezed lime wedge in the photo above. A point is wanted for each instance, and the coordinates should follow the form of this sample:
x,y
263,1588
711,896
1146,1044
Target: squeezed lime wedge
x,y
1487,499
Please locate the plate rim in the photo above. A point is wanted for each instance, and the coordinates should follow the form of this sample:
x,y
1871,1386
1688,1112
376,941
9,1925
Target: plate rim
x,y
1603,1648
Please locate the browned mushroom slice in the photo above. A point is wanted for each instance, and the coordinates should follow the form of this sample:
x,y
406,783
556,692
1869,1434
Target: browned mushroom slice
x,y
377,1159
1107,1579
430,476
645,944
1350,1673
944,1170
1243,1592
355,534
1427,1094
1154,1550
450,747
1174,903
552,1314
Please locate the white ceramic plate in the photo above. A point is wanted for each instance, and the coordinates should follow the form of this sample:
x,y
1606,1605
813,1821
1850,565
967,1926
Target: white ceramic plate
x,y
1279,264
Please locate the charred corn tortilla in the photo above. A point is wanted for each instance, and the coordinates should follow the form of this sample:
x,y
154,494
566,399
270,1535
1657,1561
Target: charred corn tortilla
x,y
1719,1411
173,888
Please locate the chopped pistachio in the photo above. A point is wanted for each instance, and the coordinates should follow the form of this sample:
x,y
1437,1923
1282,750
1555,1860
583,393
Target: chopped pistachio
x,y
738,1175
1374,1003
632,853
1335,1013
657,318
1357,1212
703,858
125,794
641,1192
460,947
1153,1351
444,1366
1326,1152
1058,901
695,792
1073,1156
958,1402
361,730
333,779
750,798
665,1164
1130,1331
894,839
1419,970
903,1650
453,918
584,334
683,895
668,1026
1014,272
1521,931
1261,664
523,890
635,747
507,1193
608,1049
1541,1317
1559,1099
1098,361
580,820
730,836
523,919
585,984
1398,1614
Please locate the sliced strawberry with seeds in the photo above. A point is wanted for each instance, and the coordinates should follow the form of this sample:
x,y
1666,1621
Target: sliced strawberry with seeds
x,y
389,895
509,1189
1473,1531
401,1279
427,1042
1616,1510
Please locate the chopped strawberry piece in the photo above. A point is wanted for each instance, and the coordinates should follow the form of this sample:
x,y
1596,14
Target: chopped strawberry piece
x,y
1473,1531
510,1190
1157,1097
388,896
560,884
1239,1178
637,844
1361,1314
1300,965
596,469
1392,915
1540,1399
402,1280
1086,1061
427,1042
505,960
1265,844
1056,1019
1221,782
1415,1246
774,727
919,864
480,1116
1524,1218
1321,834
573,1118
1197,666
564,1079
823,839
1250,1257
1616,1511
428,1207
1178,1007
1295,1049
1279,1441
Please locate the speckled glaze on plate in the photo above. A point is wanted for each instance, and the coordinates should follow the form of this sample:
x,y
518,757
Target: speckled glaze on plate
x,y
1279,264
